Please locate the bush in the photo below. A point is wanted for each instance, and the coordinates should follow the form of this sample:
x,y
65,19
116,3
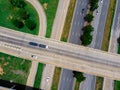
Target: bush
x,y
79,76
18,23
118,40
18,3
87,29
86,39
23,14
89,17
30,24
93,4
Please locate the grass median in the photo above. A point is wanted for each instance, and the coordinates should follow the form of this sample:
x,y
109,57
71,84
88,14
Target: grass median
x,y
50,7
106,38
64,38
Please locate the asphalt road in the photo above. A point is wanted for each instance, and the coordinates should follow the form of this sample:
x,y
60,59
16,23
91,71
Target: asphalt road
x,y
98,24
67,80
101,26
75,33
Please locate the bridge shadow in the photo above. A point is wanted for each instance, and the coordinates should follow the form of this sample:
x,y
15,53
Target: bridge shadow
x,y
16,86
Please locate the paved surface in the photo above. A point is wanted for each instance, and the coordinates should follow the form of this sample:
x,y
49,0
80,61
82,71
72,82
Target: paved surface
x,y
102,21
56,34
42,32
60,19
89,83
78,21
68,55
113,46
47,77
67,78
32,74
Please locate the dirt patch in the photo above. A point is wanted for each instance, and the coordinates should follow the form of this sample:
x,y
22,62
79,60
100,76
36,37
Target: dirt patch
x,y
45,6
19,72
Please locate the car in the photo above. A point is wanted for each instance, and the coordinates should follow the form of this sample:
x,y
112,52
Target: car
x,y
47,79
33,43
83,10
43,46
97,12
33,56
101,1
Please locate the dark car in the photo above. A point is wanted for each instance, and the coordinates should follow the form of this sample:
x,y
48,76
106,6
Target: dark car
x,y
33,43
43,46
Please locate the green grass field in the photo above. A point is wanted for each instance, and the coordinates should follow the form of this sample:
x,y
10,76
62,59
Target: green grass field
x,y
15,69
7,12
50,13
38,75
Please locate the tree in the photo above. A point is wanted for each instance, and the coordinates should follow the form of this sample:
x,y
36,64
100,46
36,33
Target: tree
x,y
89,17
79,76
93,4
118,40
18,23
18,3
30,24
86,39
23,14
87,29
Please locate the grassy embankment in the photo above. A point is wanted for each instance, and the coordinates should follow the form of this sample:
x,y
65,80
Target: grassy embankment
x,y
7,12
64,38
15,69
105,43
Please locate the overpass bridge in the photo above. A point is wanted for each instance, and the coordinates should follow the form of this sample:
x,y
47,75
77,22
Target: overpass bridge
x,y
61,54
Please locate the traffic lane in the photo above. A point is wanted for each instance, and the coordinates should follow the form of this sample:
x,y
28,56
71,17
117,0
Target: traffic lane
x,y
78,22
117,15
101,26
67,80
89,83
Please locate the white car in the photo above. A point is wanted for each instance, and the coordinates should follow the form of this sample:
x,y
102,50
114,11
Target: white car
x,y
33,56
101,1
97,12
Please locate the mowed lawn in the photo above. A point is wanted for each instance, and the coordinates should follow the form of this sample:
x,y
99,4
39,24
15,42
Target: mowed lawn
x,y
15,69
7,12
50,9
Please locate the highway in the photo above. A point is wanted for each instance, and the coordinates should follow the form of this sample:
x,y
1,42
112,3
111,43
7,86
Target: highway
x,y
68,55
100,18
67,80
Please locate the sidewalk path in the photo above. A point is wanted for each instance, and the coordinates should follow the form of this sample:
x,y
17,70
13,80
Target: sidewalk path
x,y
57,29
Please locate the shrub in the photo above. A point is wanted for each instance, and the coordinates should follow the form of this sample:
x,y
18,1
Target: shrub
x,y
79,76
86,39
18,23
89,17
18,3
30,24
